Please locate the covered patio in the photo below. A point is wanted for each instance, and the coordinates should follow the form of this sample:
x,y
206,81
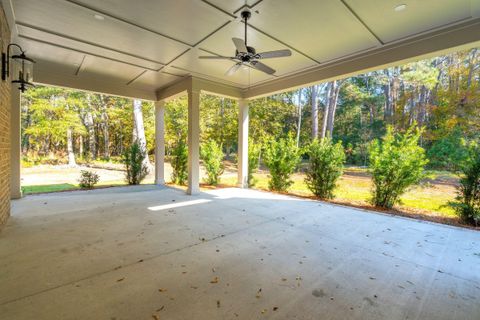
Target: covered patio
x,y
150,51
154,252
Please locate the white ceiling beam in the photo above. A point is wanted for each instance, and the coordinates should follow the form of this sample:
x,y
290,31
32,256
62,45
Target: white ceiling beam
x,y
199,84
67,37
52,78
87,53
457,37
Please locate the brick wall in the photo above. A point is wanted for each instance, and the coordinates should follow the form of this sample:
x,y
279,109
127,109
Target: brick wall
x,y
4,130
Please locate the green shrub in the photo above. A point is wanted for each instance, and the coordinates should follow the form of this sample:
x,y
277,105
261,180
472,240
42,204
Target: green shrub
x,y
88,179
212,155
281,158
133,158
179,162
467,204
325,167
253,159
396,164
449,152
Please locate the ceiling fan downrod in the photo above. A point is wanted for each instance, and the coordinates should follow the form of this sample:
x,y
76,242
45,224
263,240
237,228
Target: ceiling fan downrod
x,y
246,14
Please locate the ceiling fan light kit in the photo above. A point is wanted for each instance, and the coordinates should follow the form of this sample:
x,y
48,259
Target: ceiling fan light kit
x,y
246,55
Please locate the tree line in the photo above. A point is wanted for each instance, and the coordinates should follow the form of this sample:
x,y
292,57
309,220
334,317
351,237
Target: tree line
x,y
439,95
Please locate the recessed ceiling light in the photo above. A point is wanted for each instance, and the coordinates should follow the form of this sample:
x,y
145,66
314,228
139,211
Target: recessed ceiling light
x,y
98,17
400,7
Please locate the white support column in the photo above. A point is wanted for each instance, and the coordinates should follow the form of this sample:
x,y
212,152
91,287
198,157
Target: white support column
x,y
242,181
15,144
193,142
160,142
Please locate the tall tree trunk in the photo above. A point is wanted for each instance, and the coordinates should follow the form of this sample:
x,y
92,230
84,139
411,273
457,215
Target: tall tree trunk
x,y
106,137
299,124
336,85
326,110
89,123
92,145
71,154
314,112
139,130
80,146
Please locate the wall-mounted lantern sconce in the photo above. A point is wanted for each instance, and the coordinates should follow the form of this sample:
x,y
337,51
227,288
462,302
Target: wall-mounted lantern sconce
x,y
21,68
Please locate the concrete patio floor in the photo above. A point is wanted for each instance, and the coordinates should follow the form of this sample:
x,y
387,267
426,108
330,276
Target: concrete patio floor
x,y
152,252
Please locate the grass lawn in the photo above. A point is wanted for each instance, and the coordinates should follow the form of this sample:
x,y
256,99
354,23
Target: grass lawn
x,y
66,187
355,186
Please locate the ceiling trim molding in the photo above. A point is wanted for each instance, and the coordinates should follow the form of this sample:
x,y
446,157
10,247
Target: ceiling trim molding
x,y
249,6
219,9
87,53
111,16
81,66
26,25
136,77
283,43
364,24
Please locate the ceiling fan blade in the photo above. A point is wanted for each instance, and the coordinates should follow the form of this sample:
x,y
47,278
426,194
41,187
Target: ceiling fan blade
x,y
262,67
233,69
215,57
240,45
274,54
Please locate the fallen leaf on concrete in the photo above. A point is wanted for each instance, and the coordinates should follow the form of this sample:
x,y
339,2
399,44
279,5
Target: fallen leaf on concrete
x,y
264,310
121,279
259,293
154,316
214,280
161,308
162,290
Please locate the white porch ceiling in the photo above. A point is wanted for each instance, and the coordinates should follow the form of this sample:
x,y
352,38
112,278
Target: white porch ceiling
x,y
143,46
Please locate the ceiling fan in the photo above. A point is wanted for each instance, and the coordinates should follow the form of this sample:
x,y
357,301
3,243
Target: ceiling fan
x,y
247,56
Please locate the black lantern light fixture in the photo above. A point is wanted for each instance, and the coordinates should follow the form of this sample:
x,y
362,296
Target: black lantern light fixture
x,y
21,67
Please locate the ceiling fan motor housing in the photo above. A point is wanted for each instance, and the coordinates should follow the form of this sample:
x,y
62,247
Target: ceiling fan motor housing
x,y
246,14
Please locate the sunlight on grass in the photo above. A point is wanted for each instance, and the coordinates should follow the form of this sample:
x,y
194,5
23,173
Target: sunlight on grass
x,y
355,187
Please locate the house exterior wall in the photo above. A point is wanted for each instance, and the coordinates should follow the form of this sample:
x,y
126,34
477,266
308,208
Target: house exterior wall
x,y
4,129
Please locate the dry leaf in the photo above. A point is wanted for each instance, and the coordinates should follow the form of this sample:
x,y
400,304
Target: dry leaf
x,y
162,290
121,279
214,280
